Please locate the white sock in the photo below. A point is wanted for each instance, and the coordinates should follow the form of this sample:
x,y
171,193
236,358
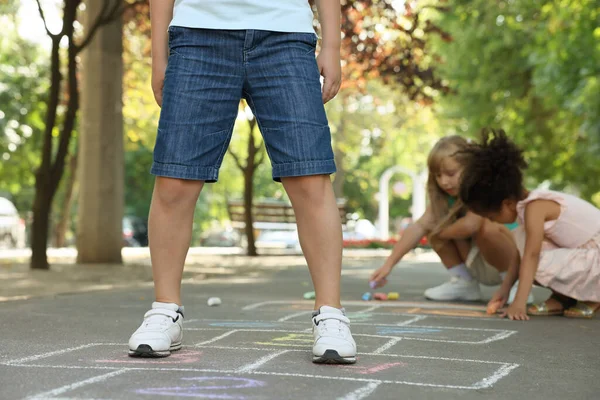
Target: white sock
x,y
461,271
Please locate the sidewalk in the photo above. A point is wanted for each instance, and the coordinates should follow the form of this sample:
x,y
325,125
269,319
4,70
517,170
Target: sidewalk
x,y
65,276
257,343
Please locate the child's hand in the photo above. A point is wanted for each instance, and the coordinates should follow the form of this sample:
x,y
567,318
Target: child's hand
x,y
497,302
330,68
516,312
158,80
379,276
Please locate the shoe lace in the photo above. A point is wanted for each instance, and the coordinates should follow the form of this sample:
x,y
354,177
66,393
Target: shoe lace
x,y
332,324
159,318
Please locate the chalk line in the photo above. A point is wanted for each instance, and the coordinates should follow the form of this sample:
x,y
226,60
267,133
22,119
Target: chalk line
x,y
414,319
499,336
292,316
260,362
361,393
216,338
368,309
495,377
52,353
386,346
76,385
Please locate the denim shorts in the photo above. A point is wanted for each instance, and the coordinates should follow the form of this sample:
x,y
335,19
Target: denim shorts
x,y
209,71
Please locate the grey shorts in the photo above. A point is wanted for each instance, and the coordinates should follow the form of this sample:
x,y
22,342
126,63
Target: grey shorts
x,y
480,269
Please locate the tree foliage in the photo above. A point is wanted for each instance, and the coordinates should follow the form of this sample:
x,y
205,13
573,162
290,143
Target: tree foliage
x,y
532,68
23,86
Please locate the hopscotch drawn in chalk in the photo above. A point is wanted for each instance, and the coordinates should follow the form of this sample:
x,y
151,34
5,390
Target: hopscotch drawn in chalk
x,y
441,334
383,369
255,349
281,338
409,307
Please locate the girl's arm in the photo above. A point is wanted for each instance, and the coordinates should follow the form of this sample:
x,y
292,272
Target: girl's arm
x,y
512,274
329,58
536,214
463,228
409,240
161,14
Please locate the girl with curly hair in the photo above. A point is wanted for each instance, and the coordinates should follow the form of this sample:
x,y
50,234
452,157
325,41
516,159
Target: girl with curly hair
x,y
558,237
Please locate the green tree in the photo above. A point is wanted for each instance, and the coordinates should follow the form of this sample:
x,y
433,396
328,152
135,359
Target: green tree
x,y
383,129
58,129
23,85
533,69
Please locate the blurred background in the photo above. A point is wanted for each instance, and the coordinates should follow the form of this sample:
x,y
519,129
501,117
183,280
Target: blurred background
x,y
78,119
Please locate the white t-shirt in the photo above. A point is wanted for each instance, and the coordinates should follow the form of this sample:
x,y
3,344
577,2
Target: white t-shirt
x,y
267,15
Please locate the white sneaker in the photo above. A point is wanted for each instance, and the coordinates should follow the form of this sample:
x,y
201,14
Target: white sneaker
x,y
160,333
333,340
455,289
513,293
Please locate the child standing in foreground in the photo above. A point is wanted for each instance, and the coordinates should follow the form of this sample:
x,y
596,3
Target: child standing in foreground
x,y
559,240
206,56
474,249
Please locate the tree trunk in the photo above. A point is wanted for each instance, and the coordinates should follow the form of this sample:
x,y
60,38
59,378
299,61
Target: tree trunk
x,y
50,171
248,170
43,189
249,190
41,221
101,169
60,231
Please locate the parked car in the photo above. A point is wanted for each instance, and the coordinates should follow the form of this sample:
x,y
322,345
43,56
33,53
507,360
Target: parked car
x,y
351,235
222,237
12,226
135,232
278,240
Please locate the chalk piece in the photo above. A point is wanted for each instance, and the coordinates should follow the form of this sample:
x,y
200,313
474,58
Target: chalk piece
x,y
374,284
214,301
393,296
367,296
309,295
380,296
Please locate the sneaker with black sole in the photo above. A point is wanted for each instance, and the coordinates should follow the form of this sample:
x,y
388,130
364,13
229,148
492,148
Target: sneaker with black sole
x,y
160,333
333,340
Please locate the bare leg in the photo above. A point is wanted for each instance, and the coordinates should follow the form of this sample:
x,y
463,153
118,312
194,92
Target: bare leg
x,y
451,252
320,233
170,232
497,245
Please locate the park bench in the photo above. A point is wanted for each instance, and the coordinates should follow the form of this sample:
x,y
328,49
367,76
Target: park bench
x,y
271,214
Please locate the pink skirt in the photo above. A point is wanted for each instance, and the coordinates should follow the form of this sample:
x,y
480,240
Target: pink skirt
x,y
571,272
